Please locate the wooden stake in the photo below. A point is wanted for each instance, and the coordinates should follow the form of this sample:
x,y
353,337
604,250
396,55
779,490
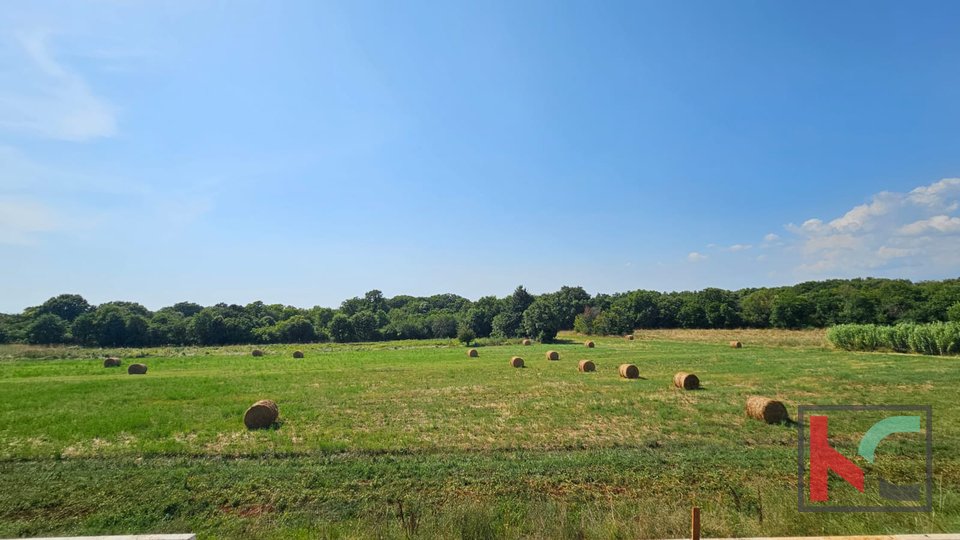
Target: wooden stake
x,y
695,523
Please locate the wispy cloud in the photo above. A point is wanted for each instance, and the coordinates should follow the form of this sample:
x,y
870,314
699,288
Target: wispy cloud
x,y
696,257
915,234
893,229
42,97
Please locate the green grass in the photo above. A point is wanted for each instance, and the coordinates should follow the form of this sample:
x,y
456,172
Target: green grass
x,y
414,439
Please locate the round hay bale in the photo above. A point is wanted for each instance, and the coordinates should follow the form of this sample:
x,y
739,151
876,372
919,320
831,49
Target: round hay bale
x,y
516,361
111,361
585,366
628,337
472,353
137,369
257,352
298,354
768,410
553,355
687,381
736,344
526,342
629,371
261,414
589,344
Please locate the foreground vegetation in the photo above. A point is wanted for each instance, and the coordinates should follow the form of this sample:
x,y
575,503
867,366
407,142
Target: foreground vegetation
x,y
933,338
69,318
414,439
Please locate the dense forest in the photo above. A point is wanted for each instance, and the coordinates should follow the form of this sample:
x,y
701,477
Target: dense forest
x,y
69,318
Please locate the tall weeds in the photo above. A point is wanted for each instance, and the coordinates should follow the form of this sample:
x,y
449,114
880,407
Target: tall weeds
x,y
937,338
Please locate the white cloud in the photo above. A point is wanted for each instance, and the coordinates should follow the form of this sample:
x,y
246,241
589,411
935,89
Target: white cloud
x,y
42,97
913,234
942,224
739,247
695,257
938,194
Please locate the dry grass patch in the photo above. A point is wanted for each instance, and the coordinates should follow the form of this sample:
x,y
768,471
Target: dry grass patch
x,y
769,337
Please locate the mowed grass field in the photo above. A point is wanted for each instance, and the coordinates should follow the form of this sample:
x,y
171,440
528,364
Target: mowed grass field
x,y
415,439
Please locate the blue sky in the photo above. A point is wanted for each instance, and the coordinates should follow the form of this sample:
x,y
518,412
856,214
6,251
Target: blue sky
x,y
306,152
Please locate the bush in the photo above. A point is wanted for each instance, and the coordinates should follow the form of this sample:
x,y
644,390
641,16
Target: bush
x,y
937,338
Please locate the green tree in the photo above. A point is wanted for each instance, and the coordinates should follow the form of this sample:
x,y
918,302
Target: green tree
x,y
187,309
297,329
341,329
66,306
791,310
364,326
584,323
442,325
84,330
542,319
137,331
111,328
756,308
465,334
167,327
47,329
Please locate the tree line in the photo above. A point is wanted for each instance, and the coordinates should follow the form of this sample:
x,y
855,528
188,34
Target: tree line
x,y
70,319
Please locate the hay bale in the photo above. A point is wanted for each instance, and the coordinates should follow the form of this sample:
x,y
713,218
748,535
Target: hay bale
x,y
526,342
553,355
687,381
111,361
768,410
585,366
589,344
298,354
629,371
472,353
257,352
137,369
516,361
736,344
261,414
628,337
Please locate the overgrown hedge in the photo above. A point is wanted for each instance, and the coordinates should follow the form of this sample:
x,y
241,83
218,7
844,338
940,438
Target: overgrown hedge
x,y
940,338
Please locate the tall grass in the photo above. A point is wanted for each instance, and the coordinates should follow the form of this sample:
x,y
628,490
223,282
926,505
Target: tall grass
x,y
937,338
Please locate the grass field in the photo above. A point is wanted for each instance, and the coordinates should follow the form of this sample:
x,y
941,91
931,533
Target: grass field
x,y
414,439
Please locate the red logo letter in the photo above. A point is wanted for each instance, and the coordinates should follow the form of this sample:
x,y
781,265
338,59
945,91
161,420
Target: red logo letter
x,y
823,459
